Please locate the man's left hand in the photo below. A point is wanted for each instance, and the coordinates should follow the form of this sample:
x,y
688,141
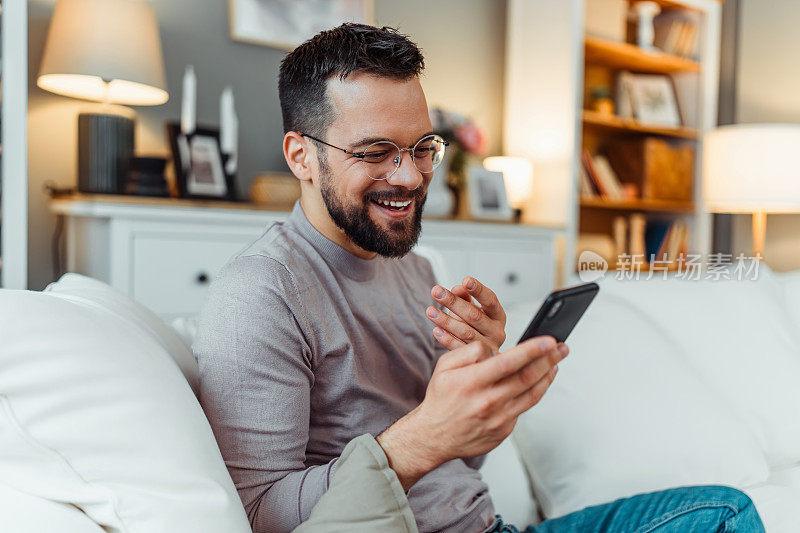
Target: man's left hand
x,y
465,322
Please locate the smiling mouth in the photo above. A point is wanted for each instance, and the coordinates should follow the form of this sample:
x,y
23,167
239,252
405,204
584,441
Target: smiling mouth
x,y
393,205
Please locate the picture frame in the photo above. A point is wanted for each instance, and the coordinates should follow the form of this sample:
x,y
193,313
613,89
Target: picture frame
x,y
199,164
284,24
653,99
486,190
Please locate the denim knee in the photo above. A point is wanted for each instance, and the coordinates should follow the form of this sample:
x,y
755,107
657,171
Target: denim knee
x,y
734,497
745,516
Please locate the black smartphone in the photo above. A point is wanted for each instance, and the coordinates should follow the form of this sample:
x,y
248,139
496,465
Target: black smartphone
x,y
561,311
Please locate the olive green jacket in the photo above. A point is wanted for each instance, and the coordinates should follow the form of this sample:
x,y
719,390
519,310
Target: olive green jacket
x,y
364,495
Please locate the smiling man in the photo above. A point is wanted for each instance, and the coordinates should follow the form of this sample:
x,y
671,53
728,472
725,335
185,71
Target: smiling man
x,y
316,335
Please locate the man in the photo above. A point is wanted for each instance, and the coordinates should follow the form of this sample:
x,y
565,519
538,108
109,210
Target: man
x,y
317,333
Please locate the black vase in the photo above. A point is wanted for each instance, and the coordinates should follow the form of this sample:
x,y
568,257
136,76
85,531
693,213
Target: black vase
x,y
105,148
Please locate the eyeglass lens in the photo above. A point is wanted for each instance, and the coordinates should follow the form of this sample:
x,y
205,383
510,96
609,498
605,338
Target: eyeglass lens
x,y
382,159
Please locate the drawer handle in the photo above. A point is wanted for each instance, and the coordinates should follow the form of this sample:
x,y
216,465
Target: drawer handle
x,y
202,278
512,278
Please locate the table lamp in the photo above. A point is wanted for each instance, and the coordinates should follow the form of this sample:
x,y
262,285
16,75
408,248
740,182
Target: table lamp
x,y
107,51
752,168
518,177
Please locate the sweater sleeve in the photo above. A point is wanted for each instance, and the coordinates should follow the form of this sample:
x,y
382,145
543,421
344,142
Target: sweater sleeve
x,y
255,381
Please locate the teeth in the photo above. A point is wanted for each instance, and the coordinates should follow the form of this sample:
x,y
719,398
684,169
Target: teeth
x,y
394,204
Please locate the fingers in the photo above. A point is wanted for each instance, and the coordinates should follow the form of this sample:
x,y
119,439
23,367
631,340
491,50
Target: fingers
x,y
446,339
462,293
512,360
488,299
533,395
457,328
465,355
468,312
531,373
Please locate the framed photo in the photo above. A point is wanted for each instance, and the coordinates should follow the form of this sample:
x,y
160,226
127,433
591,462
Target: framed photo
x,y
486,190
284,24
199,165
653,100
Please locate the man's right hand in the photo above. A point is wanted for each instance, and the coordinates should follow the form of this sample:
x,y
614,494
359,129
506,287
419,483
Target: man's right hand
x,y
471,405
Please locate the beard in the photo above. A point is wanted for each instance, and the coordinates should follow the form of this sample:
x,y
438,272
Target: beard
x,y
357,224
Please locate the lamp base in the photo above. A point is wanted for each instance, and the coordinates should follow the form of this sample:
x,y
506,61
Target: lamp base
x,y
759,233
105,148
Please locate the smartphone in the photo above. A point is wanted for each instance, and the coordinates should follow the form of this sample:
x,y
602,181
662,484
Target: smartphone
x,y
561,311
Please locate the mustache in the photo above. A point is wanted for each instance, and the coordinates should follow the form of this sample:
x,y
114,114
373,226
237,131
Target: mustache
x,y
394,196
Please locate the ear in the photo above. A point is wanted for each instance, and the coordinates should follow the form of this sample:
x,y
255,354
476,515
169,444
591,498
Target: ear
x,y
298,156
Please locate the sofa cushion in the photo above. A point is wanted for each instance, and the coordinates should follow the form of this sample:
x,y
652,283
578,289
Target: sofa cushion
x,y
88,290
626,416
97,415
23,513
737,336
789,283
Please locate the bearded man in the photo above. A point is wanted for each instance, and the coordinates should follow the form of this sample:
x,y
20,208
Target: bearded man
x,y
319,333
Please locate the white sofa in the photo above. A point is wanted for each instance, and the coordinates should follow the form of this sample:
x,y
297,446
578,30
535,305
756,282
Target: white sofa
x,y
669,383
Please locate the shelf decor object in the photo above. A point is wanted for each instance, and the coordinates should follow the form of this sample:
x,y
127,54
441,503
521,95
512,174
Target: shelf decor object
x,y
518,177
752,168
106,51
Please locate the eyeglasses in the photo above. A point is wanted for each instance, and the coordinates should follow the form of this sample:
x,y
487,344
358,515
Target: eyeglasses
x,y
382,159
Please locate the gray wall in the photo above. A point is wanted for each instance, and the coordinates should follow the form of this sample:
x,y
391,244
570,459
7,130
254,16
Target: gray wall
x,y
768,90
463,42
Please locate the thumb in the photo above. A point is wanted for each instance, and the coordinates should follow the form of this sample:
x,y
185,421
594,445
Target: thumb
x,y
469,354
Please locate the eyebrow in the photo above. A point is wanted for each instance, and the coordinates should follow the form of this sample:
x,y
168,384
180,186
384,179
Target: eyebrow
x,y
366,141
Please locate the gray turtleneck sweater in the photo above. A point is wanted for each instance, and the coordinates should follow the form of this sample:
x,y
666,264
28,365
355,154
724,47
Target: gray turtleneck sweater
x,y
302,347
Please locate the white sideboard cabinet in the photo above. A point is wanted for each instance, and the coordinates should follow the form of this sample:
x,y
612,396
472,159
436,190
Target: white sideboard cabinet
x,y
164,253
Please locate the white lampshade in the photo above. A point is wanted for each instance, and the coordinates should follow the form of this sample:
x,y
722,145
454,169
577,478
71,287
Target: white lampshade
x,y
517,174
104,50
749,168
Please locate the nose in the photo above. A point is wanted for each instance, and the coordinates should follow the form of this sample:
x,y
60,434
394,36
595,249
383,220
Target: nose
x,y
406,174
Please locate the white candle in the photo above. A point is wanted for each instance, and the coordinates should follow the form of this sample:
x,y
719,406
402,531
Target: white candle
x,y
233,156
188,101
227,139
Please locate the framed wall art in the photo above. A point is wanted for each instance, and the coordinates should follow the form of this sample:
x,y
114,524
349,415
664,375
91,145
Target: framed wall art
x,y
284,24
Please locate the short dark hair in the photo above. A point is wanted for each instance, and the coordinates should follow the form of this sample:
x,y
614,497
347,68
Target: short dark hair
x,y
346,49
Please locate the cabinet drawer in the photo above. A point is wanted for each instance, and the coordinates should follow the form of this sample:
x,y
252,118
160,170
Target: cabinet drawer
x,y
517,276
170,274
517,270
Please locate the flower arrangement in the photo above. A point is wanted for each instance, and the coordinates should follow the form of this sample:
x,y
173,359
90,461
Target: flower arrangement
x,y
465,139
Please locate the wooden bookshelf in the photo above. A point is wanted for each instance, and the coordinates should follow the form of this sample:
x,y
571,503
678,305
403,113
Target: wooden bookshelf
x,y
662,168
630,57
637,204
620,124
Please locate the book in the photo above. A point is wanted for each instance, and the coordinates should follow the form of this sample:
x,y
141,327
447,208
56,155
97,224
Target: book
x,y
607,177
636,246
654,235
676,32
588,166
587,190
677,242
620,227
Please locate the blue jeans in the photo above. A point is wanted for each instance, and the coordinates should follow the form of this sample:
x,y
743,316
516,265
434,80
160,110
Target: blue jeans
x,y
686,509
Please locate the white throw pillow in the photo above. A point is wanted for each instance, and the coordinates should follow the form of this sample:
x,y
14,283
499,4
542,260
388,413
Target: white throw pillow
x,y
777,506
96,414
91,290
624,416
737,336
23,513
790,288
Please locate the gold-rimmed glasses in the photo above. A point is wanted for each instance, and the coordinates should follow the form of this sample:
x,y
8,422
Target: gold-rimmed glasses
x,y
381,159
